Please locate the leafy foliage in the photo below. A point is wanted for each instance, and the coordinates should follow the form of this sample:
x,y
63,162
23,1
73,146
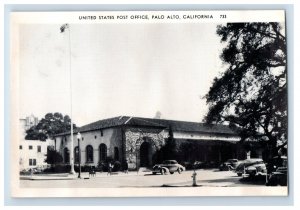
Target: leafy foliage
x,y
170,148
53,157
169,151
252,93
50,125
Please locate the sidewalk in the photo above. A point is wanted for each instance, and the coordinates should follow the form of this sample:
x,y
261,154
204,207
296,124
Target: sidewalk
x,y
84,175
63,176
200,184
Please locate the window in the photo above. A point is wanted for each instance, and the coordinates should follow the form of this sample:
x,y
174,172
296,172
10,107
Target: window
x,y
89,154
32,162
116,152
39,149
101,132
20,147
30,146
102,152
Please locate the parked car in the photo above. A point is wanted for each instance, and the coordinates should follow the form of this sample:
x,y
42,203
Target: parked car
x,y
229,165
276,162
168,166
277,171
251,167
199,165
278,177
205,164
37,170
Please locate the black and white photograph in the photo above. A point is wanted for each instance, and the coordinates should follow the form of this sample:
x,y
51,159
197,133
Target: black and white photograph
x,y
149,103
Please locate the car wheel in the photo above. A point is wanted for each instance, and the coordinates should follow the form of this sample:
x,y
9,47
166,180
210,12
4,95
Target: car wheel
x,y
179,170
171,172
239,174
154,173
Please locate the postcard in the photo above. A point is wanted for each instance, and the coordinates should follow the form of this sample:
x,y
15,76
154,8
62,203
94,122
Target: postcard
x,y
148,103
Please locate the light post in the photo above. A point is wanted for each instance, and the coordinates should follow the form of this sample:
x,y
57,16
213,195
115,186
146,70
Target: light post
x,y
79,155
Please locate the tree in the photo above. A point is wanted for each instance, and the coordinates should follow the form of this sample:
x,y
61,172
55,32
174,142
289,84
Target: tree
x,y
50,125
53,157
252,92
170,148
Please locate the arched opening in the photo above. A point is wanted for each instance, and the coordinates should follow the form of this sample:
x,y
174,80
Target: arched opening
x,y
66,155
102,152
116,153
89,154
145,154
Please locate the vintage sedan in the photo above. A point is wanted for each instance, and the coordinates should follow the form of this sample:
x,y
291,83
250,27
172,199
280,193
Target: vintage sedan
x,y
251,167
168,166
278,177
276,162
229,165
277,171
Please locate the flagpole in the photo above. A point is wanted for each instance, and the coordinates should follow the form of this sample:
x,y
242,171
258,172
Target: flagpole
x,y
72,171
72,139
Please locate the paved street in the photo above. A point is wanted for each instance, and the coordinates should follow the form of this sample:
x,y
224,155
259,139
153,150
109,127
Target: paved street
x,y
212,178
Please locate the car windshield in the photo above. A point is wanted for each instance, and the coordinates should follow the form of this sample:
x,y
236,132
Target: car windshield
x,y
279,161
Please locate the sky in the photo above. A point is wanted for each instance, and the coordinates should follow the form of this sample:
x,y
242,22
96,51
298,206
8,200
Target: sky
x,y
118,69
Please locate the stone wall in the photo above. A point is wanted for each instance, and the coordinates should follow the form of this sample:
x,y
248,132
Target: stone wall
x,y
135,137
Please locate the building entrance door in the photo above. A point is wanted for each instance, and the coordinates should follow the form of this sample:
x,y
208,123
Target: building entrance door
x,y
145,155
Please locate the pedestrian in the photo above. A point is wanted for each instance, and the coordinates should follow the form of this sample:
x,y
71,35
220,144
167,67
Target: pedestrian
x,y
110,166
126,167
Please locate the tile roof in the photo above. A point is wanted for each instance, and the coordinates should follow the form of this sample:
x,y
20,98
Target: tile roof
x,y
194,126
154,123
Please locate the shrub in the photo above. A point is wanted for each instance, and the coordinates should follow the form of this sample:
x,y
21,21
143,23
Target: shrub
x,y
58,169
53,157
102,166
117,166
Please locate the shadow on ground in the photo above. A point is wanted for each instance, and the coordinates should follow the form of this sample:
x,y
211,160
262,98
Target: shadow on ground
x,y
254,180
165,185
